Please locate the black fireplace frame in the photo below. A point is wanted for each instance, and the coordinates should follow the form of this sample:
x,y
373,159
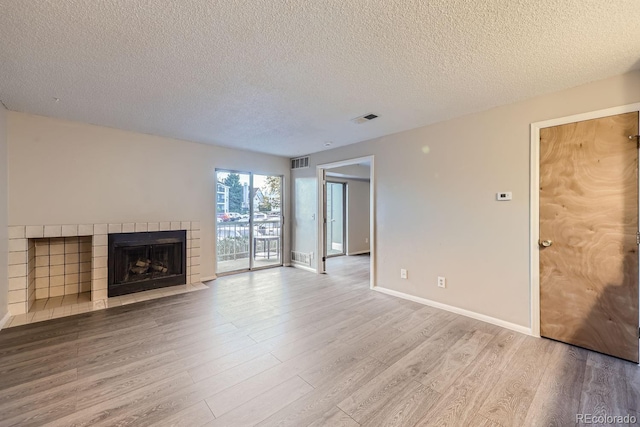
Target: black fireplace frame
x,y
145,239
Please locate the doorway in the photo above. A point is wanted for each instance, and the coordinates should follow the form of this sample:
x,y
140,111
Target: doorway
x,y
352,184
585,226
249,222
336,217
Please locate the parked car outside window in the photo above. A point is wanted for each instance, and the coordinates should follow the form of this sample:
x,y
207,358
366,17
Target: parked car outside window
x,y
259,216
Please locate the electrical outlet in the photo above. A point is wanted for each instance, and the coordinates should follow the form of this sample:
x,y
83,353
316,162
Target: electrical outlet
x,y
442,282
366,240
403,273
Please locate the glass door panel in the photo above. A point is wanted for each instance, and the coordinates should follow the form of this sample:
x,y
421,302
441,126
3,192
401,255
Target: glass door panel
x,y
233,230
267,221
335,218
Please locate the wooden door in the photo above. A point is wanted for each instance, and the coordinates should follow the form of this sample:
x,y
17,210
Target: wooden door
x,y
589,217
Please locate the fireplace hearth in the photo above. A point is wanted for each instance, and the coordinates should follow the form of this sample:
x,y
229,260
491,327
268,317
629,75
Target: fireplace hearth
x,y
146,260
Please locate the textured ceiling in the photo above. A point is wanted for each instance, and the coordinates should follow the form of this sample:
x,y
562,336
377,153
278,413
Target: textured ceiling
x,y
285,76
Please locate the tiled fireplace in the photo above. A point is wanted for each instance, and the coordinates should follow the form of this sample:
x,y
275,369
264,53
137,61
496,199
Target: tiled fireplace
x,y
55,260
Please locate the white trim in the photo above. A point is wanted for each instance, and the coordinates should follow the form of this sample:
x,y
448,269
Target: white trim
x,y
303,267
5,320
347,162
366,251
372,210
471,314
534,197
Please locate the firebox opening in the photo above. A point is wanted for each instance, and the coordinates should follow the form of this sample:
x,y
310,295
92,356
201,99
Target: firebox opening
x,y
144,261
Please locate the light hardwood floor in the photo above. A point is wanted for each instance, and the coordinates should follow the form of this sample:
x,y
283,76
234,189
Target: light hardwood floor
x,y
288,347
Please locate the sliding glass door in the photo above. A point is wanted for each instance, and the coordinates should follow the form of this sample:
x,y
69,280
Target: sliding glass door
x,y
248,221
335,238
267,221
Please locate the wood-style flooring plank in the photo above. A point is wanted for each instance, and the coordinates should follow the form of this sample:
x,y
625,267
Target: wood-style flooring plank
x,y
169,404
512,395
287,347
558,396
194,416
461,402
263,406
334,417
317,402
603,392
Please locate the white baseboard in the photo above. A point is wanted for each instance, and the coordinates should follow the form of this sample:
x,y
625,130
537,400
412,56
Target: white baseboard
x,y
457,310
359,252
303,267
208,279
4,320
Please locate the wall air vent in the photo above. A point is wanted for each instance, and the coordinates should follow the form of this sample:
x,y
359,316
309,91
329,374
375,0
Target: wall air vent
x,y
301,258
364,119
300,163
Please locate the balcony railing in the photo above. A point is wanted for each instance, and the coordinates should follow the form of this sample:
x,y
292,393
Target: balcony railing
x,y
233,239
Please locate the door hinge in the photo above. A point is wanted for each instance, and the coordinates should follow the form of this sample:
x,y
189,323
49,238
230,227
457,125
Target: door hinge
x,y
637,237
324,259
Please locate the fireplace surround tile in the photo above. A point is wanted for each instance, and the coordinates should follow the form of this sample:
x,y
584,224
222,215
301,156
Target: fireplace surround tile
x,y
18,270
17,232
85,230
141,227
76,264
17,258
34,231
100,294
56,270
99,251
70,230
44,282
52,231
100,240
17,296
17,245
17,283
100,262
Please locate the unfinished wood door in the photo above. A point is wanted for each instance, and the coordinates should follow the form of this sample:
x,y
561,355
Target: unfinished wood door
x,y
588,226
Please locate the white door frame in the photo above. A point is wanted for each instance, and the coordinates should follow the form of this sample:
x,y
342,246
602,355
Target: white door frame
x,y
534,214
321,249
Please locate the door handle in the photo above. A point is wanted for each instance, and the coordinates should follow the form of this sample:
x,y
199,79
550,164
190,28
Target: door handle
x,y
545,243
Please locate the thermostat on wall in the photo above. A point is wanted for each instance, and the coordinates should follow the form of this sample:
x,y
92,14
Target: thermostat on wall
x,y
504,196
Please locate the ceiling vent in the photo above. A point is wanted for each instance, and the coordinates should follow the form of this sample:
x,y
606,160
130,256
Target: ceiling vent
x,y
364,119
300,163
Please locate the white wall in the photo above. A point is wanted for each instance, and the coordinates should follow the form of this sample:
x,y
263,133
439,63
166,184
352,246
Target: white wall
x,y
63,172
4,281
436,213
358,216
358,212
350,171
